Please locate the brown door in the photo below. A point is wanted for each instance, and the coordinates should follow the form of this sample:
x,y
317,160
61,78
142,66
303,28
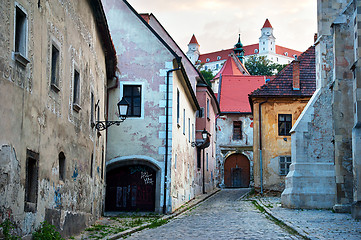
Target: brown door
x,y
130,188
237,171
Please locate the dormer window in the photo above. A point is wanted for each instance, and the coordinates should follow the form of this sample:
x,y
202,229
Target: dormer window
x,y
286,53
295,56
219,58
207,60
256,50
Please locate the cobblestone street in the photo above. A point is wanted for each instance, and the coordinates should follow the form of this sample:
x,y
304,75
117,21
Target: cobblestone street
x,y
222,216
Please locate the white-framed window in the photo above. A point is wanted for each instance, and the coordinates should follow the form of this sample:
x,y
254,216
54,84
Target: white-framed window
x,y
256,50
207,160
76,90
218,57
207,108
284,163
20,35
178,107
207,60
133,94
175,162
286,53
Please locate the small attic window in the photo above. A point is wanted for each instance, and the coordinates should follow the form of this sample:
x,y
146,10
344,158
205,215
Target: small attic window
x,y
256,50
199,61
286,53
207,60
218,57
295,56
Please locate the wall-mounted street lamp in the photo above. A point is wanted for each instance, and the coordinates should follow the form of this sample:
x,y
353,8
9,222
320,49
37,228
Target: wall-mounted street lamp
x,y
123,106
202,144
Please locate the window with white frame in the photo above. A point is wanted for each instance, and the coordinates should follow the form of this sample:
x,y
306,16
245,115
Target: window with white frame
x,y
133,94
207,108
178,106
184,122
189,130
284,162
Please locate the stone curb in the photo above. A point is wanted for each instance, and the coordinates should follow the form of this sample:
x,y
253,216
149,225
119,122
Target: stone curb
x,y
166,217
299,230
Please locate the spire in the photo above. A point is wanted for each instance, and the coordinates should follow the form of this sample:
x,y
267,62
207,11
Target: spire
x,y
193,40
267,24
238,49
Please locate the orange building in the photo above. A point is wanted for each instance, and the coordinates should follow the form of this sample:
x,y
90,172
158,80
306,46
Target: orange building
x,y
276,106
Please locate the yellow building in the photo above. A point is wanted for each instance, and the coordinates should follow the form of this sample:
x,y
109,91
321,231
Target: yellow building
x,y
276,106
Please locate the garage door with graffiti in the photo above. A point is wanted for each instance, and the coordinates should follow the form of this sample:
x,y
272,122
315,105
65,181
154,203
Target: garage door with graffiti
x,y
130,188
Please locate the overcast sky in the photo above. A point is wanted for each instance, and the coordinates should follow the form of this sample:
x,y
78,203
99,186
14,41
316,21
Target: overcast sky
x,y
216,23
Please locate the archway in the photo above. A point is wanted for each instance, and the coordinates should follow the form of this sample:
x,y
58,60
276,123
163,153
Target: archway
x,y
131,188
237,171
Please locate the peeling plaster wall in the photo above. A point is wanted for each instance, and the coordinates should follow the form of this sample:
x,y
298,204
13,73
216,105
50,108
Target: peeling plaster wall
x,y
273,145
39,119
227,146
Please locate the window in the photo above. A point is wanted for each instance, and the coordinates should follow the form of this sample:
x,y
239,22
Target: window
x,y
286,53
91,165
217,66
218,57
20,31
76,90
285,162
133,93
207,60
192,132
205,67
200,113
207,108
178,113
31,184
189,130
237,130
284,124
61,166
175,162
184,122
199,158
102,168
54,69
256,51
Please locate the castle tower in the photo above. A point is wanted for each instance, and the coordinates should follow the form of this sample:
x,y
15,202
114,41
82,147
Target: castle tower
x,y
238,49
193,50
267,40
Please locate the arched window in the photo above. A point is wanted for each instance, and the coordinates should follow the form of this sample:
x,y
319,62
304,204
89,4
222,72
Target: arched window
x,y
256,50
207,60
218,57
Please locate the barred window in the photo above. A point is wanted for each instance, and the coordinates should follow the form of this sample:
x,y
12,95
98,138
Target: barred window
x,y
285,162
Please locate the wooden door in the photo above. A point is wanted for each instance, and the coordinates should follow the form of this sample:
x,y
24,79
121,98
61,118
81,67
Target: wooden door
x,y
237,171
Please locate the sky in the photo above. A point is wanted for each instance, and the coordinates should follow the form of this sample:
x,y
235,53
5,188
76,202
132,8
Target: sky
x,y
217,23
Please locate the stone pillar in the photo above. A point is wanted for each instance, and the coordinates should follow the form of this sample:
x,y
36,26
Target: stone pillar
x,y
342,107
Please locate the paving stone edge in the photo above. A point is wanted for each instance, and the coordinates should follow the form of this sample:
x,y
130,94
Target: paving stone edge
x,y
299,230
166,217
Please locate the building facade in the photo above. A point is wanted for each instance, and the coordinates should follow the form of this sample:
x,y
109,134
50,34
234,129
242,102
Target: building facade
x,y
335,166
276,107
265,47
152,158
54,65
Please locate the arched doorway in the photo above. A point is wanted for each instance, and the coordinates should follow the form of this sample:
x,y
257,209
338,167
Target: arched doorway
x,y
237,171
130,188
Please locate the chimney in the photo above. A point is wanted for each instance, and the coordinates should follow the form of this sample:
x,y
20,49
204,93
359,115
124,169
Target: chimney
x,y
296,74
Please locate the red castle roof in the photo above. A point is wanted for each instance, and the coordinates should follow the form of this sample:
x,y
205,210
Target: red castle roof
x,y
193,40
267,24
230,67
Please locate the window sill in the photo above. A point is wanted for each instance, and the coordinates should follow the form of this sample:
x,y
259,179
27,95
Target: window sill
x,y
55,88
76,107
19,58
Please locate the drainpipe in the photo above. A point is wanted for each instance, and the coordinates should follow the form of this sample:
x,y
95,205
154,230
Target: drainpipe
x,y
260,144
167,136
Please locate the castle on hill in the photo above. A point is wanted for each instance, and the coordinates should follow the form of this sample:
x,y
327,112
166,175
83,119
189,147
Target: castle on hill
x,y
265,47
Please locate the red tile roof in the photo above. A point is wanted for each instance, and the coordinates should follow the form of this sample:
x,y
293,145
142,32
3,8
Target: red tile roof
x,y
267,24
248,50
193,40
145,16
234,92
230,67
282,84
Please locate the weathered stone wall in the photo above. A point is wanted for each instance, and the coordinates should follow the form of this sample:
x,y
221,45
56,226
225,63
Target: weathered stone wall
x,y
227,146
38,119
273,145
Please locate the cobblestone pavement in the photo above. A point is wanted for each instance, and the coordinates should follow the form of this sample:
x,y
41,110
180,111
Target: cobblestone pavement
x,y
315,224
222,216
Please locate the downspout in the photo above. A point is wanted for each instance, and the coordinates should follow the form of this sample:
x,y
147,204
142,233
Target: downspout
x,y
167,136
260,144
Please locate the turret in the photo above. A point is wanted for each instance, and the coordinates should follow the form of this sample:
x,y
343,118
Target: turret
x,y
267,40
238,49
193,50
